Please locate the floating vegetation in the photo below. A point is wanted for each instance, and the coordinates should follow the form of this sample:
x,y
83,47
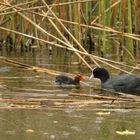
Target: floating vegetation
x,y
126,132
103,113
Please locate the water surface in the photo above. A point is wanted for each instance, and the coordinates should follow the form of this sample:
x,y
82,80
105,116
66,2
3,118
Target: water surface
x,y
24,115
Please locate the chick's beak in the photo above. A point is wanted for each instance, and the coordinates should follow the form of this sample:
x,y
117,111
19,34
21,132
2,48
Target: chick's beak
x,y
92,76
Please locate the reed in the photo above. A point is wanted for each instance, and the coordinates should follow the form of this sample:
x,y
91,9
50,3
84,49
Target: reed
x,y
130,26
112,25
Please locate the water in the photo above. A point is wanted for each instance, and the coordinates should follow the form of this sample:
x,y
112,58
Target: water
x,y
66,124
24,115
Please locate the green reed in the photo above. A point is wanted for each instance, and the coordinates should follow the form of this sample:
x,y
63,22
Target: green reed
x,y
122,17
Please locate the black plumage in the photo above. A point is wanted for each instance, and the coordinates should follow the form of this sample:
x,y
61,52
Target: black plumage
x,y
126,83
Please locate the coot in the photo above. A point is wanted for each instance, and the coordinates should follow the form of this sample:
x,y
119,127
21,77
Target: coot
x,y
126,83
63,79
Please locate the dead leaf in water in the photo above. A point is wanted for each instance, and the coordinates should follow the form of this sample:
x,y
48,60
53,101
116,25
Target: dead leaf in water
x,y
75,63
37,76
103,113
30,130
34,46
126,132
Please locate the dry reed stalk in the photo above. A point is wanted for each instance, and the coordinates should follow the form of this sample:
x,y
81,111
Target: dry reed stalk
x,y
36,31
72,2
34,1
40,100
34,68
107,29
76,50
2,7
59,32
101,28
105,97
67,31
103,60
29,67
41,29
7,7
112,6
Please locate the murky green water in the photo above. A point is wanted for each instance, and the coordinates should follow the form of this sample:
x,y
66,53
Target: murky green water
x,y
67,124
75,120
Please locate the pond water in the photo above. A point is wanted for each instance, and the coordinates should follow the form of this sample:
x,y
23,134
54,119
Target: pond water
x,y
24,115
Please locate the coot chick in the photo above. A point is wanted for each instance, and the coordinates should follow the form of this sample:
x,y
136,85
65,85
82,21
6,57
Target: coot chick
x,y
126,83
63,79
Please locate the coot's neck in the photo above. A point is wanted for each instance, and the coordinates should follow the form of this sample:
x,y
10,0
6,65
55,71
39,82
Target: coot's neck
x,y
104,79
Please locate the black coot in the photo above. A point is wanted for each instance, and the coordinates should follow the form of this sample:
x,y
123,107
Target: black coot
x,y
123,83
63,79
